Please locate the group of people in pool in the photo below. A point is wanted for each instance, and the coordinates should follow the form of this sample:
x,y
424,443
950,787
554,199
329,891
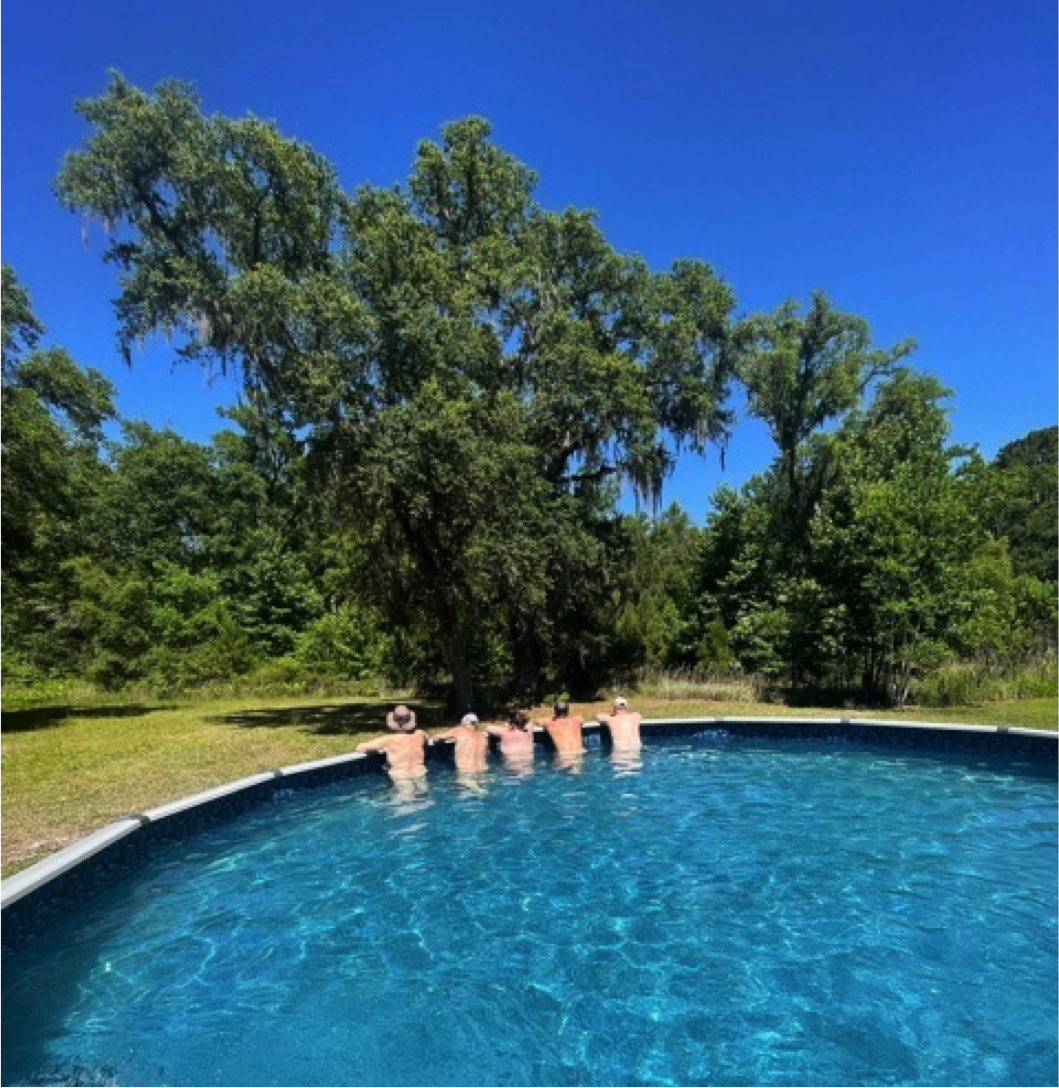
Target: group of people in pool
x,y
405,747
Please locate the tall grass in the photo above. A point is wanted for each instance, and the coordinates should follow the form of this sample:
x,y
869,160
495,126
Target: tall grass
x,y
273,681
962,683
689,685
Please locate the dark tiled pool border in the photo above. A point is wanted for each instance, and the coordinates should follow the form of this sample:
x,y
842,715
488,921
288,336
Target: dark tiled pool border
x,y
61,881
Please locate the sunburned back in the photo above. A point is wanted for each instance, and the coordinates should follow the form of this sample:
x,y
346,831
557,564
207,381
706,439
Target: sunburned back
x,y
516,742
625,731
566,735
471,748
404,753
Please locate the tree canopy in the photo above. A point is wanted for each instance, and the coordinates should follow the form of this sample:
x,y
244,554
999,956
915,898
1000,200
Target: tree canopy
x,y
445,386
467,367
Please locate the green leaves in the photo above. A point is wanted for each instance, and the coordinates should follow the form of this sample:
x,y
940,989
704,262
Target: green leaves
x,y
802,374
192,203
445,386
461,362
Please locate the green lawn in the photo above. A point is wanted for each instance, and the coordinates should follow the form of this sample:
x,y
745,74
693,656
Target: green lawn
x,y
68,771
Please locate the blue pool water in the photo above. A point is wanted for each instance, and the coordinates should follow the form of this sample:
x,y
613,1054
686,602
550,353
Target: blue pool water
x,y
718,912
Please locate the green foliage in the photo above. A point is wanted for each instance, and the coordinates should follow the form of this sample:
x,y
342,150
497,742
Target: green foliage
x,y
108,620
445,388
26,684
465,366
967,684
801,374
53,411
714,651
19,327
347,643
194,637
894,573
273,597
1017,496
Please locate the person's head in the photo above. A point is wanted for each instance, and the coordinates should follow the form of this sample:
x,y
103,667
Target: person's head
x,y
517,720
470,719
561,709
620,704
403,718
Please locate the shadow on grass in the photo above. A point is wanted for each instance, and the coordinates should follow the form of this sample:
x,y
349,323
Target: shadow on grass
x,y
328,720
45,717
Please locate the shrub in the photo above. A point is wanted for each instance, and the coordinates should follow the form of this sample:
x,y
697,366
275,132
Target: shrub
x,y
964,683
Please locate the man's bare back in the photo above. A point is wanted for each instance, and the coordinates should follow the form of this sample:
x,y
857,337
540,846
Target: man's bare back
x,y
404,753
471,747
566,734
624,726
513,741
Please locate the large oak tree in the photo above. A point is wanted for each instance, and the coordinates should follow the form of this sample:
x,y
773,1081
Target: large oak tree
x,y
471,372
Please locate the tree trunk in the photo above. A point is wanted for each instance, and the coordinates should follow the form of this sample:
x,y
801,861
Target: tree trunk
x,y
455,654
526,687
462,690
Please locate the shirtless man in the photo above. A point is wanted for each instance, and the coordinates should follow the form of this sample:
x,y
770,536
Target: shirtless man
x,y
516,739
472,746
624,726
404,753
565,731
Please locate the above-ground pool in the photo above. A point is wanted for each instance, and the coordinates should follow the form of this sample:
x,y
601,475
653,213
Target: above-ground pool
x,y
718,911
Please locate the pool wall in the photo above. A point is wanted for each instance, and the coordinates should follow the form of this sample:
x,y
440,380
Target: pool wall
x,y
62,881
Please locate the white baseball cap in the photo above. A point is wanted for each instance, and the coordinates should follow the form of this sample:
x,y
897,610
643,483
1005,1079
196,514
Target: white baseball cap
x,y
619,701
469,719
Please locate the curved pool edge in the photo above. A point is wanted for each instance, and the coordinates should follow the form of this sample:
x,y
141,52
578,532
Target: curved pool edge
x,y
61,879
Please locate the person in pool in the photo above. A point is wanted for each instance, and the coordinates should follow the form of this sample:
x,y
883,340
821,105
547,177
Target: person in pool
x,y
404,752
624,726
516,738
565,730
472,745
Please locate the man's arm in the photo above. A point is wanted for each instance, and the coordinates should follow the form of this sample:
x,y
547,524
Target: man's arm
x,y
496,730
380,744
449,734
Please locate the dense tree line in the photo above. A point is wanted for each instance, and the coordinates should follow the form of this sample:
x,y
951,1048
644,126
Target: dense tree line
x,y
444,388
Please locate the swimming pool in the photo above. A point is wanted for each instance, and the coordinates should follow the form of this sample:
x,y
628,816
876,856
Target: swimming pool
x,y
720,911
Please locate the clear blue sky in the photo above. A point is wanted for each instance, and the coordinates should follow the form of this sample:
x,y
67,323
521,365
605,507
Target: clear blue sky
x,y
900,155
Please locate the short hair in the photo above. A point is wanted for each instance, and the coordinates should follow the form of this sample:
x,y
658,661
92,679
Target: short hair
x,y
561,709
